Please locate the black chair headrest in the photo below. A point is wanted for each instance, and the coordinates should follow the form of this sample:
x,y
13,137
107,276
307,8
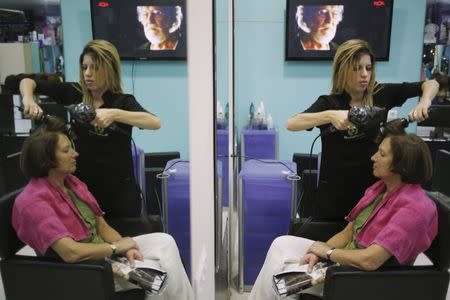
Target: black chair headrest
x,y
439,251
9,242
441,172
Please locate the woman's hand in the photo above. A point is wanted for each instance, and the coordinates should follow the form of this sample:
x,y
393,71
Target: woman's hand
x,y
133,254
125,244
420,112
311,259
104,117
319,248
31,108
339,119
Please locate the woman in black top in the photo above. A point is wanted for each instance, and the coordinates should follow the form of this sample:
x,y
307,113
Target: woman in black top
x,y
105,161
345,168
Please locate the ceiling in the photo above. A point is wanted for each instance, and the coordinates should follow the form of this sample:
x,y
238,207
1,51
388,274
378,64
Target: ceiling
x,y
27,4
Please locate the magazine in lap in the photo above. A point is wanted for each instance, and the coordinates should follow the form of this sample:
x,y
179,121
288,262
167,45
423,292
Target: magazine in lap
x,y
146,274
295,279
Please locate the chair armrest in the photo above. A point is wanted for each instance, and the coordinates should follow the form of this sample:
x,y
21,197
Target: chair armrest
x,y
26,277
390,283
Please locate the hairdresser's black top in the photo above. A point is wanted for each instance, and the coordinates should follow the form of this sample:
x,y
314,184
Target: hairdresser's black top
x,y
105,163
345,167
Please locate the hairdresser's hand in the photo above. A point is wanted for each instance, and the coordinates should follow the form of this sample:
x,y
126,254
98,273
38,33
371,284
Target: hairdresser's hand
x,y
104,117
339,119
134,254
420,112
310,259
31,108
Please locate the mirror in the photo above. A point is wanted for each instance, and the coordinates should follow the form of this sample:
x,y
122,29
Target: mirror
x,y
161,88
35,28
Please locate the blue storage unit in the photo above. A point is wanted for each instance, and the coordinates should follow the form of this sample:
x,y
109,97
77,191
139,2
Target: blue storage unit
x,y
176,206
261,144
176,195
222,156
138,156
266,198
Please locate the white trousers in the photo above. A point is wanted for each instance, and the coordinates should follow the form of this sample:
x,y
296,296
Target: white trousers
x,y
284,253
162,249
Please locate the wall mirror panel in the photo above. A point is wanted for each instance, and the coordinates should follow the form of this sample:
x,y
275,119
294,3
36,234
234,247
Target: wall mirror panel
x,y
160,87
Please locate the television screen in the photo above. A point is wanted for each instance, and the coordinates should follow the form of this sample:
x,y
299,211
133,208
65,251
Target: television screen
x,y
315,28
142,29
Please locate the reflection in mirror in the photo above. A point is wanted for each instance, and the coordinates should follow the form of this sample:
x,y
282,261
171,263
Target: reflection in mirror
x,y
115,165
30,42
34,28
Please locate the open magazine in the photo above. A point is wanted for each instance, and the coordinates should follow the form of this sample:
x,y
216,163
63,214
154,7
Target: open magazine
x,y
144,273
297,279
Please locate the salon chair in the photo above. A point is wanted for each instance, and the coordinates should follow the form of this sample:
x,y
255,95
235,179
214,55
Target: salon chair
x,y
306,226
308,170
31,277
394,283
155,162
441,172
304,162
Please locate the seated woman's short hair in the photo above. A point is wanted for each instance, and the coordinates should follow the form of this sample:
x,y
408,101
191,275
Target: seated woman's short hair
x,y
411,158
393,127
38,151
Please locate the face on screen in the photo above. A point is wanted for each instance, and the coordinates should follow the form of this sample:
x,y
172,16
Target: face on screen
x,y
159,24
320,23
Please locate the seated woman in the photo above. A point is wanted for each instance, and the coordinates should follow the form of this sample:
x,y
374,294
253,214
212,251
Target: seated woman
x,y
393,223
57,213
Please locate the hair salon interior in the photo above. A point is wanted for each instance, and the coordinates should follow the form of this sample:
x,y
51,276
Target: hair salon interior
x,y
223,175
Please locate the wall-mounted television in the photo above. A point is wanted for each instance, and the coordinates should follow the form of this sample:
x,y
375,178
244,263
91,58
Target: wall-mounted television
x,y
142,29
315,28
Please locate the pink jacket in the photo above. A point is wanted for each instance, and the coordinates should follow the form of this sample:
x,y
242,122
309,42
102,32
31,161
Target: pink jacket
x,y
404,223
43,213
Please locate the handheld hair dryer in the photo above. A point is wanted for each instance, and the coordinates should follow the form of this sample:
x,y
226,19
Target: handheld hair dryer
x,y
82,113
85,114
363,117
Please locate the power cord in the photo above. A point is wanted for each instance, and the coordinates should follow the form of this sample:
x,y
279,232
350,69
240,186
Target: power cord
x,y
135,166
310,182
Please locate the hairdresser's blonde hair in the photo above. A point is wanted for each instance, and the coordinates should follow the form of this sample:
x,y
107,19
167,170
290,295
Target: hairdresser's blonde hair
x,y
345,61
107,60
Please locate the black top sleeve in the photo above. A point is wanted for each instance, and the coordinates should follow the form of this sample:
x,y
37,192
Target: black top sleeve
x,y
395,94
61,92
130,103
322,103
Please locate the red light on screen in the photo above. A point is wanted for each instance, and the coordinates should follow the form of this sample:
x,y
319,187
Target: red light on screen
x,y
378,3
103,4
